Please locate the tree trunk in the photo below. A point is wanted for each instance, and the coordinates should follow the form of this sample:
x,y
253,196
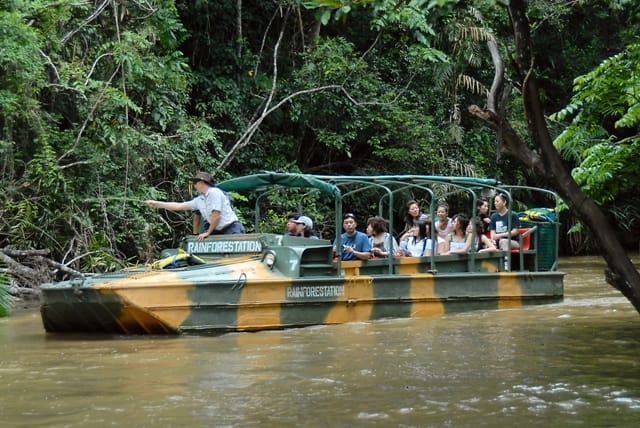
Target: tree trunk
x,y
621,273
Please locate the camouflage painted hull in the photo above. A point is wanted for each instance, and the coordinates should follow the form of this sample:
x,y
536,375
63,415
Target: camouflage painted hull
x,y
266,281
251,292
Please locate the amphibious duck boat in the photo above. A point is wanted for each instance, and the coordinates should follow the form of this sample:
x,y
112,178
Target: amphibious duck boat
x,y
264,280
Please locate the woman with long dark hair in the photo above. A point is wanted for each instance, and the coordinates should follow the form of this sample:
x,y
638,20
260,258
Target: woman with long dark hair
x,y
419,243
412,215
459,240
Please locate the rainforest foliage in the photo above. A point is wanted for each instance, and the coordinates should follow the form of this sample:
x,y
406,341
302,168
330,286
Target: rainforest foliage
x,y
106,103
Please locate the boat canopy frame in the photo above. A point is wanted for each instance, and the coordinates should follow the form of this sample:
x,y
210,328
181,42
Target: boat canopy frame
x,y
339,187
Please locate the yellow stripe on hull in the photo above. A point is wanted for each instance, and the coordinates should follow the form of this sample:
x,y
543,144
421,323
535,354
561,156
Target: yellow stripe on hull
x,y
509,291
268,296
425,301
169,304
357,302
408,265
488,266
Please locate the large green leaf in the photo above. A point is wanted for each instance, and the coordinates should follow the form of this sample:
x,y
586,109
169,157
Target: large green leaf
x,y
6,300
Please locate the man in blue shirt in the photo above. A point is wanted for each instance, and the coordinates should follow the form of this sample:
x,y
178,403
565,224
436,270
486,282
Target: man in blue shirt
x,y
355,245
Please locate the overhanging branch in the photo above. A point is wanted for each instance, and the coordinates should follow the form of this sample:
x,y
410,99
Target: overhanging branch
x,y
493,104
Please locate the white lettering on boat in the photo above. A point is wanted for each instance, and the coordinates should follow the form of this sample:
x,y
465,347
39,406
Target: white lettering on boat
x,y
204,247
315,291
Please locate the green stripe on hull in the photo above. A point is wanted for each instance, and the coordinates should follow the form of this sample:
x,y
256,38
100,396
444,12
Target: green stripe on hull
x,y
98,312
213,306
392,298
309,302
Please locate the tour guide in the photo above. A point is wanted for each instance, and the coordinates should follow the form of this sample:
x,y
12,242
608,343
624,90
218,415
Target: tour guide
x,y
213,205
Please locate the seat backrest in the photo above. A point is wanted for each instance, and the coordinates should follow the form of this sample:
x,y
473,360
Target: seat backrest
x,y
526,239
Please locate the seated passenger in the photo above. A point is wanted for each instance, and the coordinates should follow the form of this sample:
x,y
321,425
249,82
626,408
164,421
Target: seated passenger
x,y
482,243
419,243
355,245
482,213
413,214
304,227
459,240
379,238
291,225
443,223
500,220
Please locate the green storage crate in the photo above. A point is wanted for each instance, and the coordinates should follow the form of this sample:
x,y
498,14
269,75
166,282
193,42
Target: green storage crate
x,y
546,242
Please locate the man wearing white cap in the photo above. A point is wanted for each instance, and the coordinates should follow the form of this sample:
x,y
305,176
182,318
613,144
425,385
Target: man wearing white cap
x,y
212,203
304,227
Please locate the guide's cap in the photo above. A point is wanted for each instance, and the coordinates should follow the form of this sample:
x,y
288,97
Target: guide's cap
x,y
203,176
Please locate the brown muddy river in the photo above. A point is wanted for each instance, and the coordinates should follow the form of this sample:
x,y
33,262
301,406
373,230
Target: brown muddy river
x,y
573,363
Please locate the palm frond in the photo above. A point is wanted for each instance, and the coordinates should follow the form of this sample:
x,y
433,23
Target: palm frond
x,y
471,84
6,300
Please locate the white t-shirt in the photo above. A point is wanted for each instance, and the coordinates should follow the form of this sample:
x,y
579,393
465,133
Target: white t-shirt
x,y
214,200
417,248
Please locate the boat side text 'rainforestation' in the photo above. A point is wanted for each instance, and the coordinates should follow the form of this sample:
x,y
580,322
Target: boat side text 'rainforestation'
x,y
298,292
223,246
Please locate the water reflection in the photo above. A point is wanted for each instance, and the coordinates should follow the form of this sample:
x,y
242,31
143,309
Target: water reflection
x,y
569,363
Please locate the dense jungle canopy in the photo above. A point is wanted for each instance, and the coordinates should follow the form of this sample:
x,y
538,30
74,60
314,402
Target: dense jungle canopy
x,y
106,103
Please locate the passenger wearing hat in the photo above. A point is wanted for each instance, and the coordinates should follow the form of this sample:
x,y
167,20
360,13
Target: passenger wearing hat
x,y
304,227
292,227
212,203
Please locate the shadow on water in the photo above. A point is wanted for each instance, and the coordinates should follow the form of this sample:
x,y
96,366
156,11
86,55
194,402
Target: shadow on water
x,y
564,364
